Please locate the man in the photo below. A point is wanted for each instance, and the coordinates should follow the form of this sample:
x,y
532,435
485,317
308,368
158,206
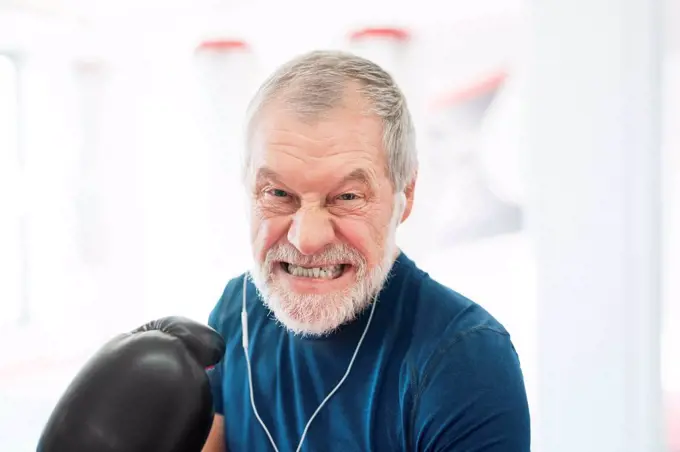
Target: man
x,y
350,346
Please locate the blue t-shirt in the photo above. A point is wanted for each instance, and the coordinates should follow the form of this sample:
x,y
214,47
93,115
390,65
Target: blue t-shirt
x,y
435,373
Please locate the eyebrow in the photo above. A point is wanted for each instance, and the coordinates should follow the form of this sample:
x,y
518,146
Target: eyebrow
x,y
358,175
265,173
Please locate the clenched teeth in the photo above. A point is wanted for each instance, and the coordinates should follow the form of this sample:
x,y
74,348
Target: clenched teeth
x,y
326,272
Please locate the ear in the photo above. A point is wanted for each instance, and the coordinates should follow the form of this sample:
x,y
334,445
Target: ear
x,y
409,193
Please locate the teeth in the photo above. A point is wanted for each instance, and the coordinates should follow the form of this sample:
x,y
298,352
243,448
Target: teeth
x,y
329,272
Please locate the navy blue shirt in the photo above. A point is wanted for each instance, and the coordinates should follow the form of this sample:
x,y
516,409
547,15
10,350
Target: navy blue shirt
x,y
436,372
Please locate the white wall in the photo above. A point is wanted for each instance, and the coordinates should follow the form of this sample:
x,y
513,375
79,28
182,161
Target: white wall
x,y
595,214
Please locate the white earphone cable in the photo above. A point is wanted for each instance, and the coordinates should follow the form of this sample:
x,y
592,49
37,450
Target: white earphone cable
x,y
252,403
244,323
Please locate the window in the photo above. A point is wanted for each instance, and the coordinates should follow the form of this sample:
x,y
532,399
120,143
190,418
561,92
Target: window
x,y
11,205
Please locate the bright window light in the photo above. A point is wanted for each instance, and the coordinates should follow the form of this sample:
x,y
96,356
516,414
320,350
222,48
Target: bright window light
x,y
11,256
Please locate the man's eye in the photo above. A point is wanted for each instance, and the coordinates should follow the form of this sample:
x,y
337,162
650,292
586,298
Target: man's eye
x,y
348,197
277,193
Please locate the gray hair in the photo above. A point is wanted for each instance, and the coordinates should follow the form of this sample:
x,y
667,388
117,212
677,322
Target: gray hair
x,y
317,82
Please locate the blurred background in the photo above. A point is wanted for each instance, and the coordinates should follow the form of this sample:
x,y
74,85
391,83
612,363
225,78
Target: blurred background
x,y
548,192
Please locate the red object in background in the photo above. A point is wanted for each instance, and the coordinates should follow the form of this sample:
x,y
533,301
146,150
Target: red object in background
x,y
459,185
486,85
397,34
222,44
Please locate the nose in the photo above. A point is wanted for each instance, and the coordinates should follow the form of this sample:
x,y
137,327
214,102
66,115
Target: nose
x,y
311,231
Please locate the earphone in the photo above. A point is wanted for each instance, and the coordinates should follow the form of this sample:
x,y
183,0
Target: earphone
x,y
402,204
245,343
244,336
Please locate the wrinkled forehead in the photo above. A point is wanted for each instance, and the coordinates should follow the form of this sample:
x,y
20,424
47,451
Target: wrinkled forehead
x,y
341,141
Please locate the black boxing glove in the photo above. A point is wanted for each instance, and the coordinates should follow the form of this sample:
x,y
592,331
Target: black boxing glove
x,y
144,391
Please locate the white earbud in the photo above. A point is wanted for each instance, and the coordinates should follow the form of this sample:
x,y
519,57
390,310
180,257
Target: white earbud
x,y
402,204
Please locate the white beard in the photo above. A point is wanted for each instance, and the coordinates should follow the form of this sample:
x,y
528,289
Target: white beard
x,y
321,314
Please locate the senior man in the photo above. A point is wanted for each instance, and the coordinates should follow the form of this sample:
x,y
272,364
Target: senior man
x,y
336,340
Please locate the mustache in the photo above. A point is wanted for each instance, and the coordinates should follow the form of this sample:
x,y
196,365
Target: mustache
x,y
330,255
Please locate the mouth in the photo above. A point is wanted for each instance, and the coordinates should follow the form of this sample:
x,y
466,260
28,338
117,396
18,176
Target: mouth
x,y
326,272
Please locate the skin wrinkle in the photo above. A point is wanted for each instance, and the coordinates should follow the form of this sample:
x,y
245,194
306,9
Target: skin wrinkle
x,y
267,179
321,188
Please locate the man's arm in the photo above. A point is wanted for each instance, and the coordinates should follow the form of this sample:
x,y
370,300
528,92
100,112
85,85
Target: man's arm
x,y
472,398
215,442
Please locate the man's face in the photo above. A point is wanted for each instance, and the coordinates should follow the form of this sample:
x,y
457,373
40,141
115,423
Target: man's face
x,y
323,216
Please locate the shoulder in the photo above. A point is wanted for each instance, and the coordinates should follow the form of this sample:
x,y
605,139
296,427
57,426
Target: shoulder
x,y
226,313
455,341
443,318
457,311
467,375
